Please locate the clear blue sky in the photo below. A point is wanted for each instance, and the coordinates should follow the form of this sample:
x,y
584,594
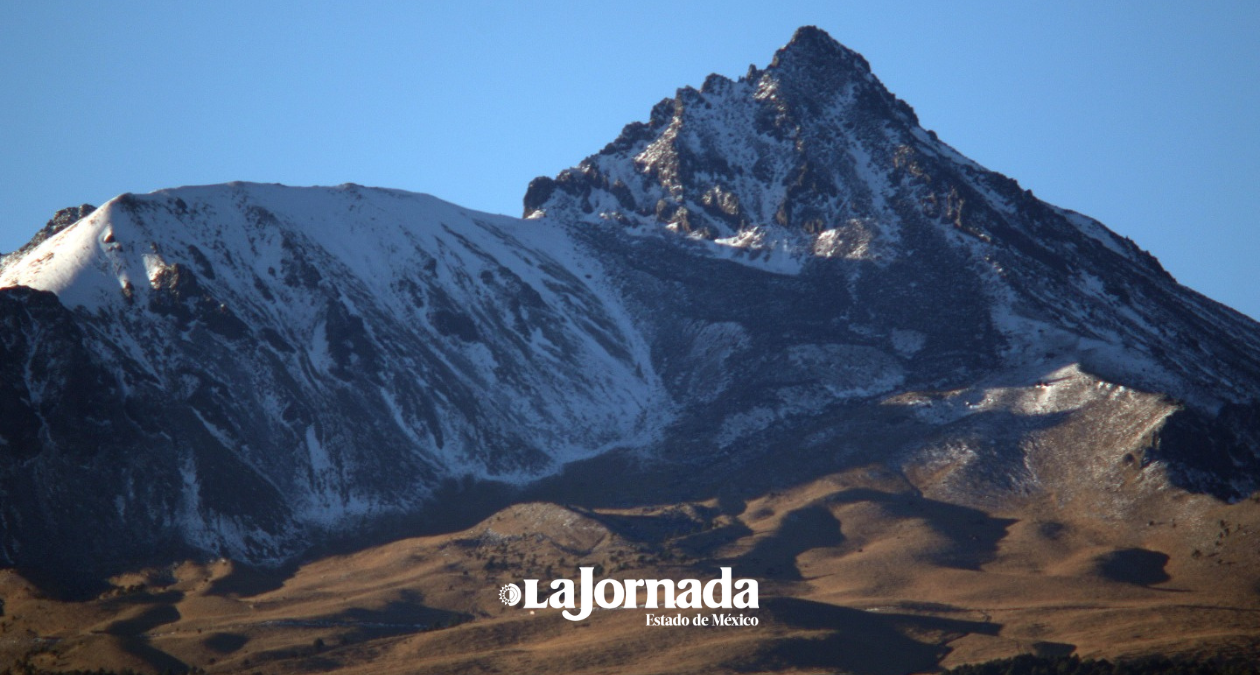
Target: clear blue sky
x,y
1145,115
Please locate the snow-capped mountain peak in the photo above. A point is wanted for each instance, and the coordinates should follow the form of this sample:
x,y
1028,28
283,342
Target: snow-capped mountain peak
x,y
773,277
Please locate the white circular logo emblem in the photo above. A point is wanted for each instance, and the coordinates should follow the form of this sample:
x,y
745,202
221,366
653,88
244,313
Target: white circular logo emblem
x,y
510,594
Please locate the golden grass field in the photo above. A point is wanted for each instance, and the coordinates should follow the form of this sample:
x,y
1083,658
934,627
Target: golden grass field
x,y
858,572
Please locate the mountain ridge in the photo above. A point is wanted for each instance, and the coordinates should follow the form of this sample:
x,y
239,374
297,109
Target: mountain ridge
x,y
859,175
784,265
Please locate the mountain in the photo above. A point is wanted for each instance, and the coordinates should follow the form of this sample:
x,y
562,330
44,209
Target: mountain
x,y
231,369
907,267
772,279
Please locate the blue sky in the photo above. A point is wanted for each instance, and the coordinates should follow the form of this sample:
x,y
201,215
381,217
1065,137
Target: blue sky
x,y
1145,115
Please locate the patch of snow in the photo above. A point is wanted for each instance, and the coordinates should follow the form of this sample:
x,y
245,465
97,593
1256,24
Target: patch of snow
x,y
319,460
907,342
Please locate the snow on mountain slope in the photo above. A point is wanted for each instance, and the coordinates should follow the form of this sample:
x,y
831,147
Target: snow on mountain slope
x,y
346,347
772,279
811,168
812,158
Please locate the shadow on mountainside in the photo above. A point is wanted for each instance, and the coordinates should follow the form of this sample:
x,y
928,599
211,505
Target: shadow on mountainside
x,y
774,557
133,634
855,641
1137,566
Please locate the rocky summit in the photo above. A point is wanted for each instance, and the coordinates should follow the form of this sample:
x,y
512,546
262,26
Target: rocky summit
x,y
772,279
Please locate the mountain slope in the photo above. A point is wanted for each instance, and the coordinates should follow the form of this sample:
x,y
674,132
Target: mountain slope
x,y
812,168
232,366
772,279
